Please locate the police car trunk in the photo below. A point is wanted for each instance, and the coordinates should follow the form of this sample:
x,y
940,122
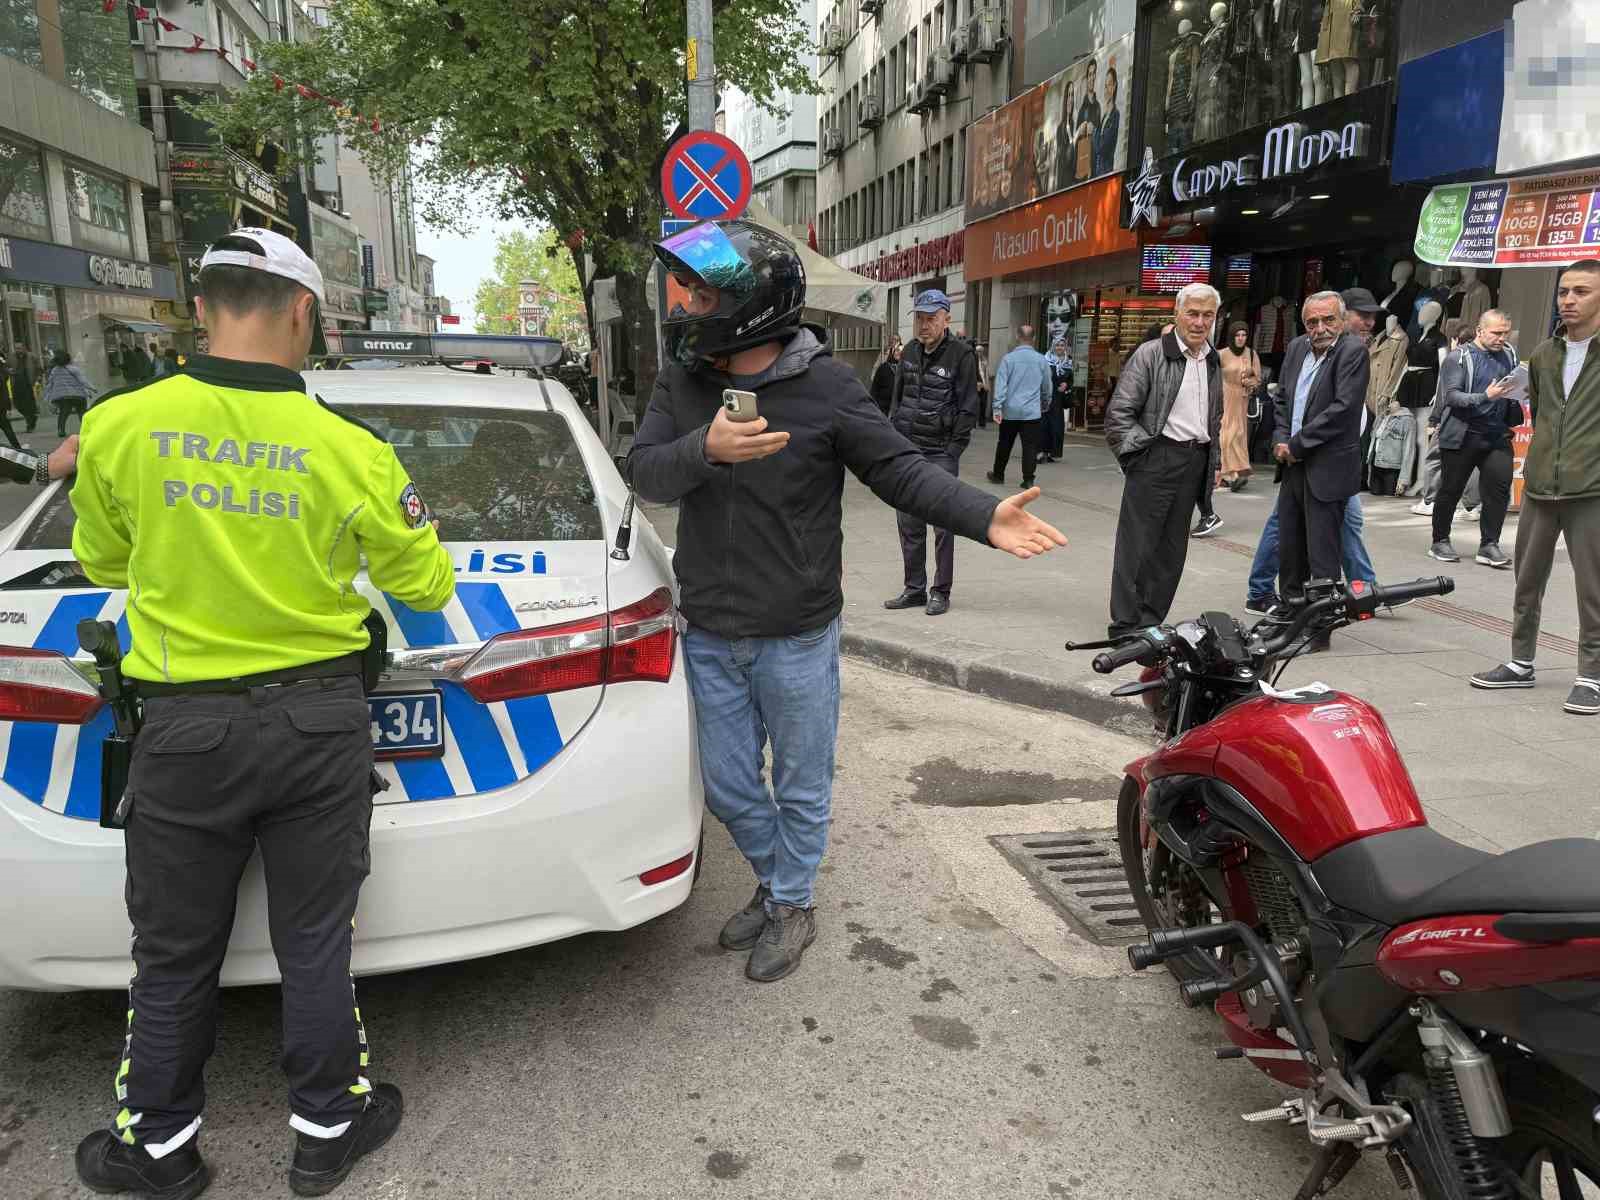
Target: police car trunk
x,y
480,698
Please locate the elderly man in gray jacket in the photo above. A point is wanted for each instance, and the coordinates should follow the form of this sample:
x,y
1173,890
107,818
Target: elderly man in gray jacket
x,y
1162,424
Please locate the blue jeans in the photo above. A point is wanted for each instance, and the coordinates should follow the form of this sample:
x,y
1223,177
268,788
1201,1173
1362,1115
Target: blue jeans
x,y
1357,562
748,692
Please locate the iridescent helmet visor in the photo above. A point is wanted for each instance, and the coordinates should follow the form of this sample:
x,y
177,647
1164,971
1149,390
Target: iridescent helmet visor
x,y
706,254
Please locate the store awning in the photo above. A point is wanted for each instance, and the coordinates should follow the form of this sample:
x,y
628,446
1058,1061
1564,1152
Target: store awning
x,y
155,327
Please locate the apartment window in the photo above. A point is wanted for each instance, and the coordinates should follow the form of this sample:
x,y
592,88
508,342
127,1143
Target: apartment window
x,y
938,23
98,208
913,63
960,194
949,189
894,90
24,209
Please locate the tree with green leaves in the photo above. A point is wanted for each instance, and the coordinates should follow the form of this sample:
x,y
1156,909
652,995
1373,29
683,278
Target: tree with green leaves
x,y
540,257
545,111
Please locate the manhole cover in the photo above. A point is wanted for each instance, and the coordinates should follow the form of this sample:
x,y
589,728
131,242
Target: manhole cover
x,y
1082,872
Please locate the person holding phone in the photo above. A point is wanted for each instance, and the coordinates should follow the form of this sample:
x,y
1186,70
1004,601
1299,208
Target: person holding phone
x,y
760,538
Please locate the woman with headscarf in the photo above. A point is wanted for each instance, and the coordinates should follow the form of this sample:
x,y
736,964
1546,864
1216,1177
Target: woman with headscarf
x,y
1055,427
982,351
1241,376
883,377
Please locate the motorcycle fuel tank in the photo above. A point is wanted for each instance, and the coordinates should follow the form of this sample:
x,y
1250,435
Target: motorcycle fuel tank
x,y
1322,771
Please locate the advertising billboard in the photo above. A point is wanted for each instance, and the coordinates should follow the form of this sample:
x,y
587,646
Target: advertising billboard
x,y
1067,130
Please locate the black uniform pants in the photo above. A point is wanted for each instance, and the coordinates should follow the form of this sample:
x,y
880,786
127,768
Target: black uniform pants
x,y
1030,432
1492,461
914,539
1160,485
288,769
1309,530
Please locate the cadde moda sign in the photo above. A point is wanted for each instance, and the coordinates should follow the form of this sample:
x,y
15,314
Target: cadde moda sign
x,y
1344,136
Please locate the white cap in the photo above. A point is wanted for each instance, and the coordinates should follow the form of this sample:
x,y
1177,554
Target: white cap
x,y
279,256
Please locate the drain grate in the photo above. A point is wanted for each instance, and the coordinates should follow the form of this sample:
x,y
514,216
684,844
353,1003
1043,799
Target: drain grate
x,y
1081,872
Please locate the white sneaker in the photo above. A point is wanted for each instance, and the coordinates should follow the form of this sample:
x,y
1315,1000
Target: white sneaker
x,y
1423,508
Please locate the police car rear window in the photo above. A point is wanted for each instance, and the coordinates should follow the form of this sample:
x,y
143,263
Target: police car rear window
x,y
491,474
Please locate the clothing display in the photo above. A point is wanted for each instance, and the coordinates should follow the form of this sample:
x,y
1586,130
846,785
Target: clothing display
x,y
1336,40
1421,380
1274,322
1469,303
1213,117
1303,21
1436,293
1183,70
1388,364
1398,303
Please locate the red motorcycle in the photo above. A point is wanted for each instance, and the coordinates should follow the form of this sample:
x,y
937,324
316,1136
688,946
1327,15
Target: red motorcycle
x,y
1429,1002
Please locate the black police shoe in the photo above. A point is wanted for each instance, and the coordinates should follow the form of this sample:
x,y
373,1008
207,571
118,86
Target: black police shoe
x,y
320,1164
108,1165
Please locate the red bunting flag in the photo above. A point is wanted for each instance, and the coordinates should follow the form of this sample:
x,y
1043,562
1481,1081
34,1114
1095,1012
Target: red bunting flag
x,y
277,83
199,44
376,125
305,92
222,53
141,13
166,24
248,64
109,5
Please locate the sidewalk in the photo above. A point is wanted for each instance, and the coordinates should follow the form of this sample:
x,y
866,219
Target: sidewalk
x,y
1495,769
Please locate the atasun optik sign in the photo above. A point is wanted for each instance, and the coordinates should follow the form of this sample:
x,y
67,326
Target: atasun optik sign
x,y
114,273
1288,149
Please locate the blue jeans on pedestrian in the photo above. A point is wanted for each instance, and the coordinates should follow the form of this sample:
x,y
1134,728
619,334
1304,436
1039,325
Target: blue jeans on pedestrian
x,y
1357,562
750,692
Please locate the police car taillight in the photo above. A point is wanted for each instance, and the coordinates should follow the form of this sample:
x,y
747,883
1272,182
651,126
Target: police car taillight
x,y
633,643
41,685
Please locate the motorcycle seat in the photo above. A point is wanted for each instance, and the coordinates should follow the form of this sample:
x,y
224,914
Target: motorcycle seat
x,y
1408,874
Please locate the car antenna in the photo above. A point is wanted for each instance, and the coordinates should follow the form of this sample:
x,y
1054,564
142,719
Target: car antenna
x,y
624,531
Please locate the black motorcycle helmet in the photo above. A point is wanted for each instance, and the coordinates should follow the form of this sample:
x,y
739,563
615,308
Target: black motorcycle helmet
x,y
761,280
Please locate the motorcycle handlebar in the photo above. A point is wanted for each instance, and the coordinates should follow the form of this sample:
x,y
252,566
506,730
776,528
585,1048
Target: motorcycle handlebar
x,y
1127,653
1439,585
1366,601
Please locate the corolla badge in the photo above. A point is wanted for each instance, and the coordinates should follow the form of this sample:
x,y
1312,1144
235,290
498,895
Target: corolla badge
x,y
557,603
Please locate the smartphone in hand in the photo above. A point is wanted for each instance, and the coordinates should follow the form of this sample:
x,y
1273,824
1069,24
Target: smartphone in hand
x,y
739,405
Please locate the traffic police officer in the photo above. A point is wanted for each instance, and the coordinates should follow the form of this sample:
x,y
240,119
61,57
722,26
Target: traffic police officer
x,y
237,510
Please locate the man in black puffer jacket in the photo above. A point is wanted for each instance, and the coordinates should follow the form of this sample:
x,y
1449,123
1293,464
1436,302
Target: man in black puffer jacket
x,y
935,406
759,550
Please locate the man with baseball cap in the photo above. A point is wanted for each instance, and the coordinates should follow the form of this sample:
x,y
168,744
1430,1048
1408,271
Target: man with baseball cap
x,y
237,510
934,405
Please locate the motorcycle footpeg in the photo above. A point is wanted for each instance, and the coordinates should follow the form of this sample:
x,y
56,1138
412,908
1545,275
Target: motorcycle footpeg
x,y
1201,992
1292,1111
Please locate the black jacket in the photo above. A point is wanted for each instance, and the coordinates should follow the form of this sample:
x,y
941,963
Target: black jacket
x,y
936,395
883,384
759,543
1329,441
1146,391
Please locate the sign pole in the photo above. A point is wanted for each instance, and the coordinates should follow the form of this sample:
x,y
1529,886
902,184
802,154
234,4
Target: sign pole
x,y
699,67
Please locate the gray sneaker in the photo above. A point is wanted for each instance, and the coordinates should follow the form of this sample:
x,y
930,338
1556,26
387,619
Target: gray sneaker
x,y
745,926
1444,551
1584,699
1503,676
1490,555
789,931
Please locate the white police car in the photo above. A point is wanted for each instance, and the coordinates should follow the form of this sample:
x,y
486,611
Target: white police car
x,y
536,735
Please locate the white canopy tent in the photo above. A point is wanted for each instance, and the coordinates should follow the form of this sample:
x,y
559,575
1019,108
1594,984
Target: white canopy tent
x,y
831,290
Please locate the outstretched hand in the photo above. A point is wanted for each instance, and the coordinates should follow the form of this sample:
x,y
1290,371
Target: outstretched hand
x,y
1017,531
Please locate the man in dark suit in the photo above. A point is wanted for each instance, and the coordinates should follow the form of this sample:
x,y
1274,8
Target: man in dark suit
x,y
1318,440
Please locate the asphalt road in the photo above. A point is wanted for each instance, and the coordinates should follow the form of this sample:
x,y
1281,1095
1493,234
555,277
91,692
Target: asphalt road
x,y
950,1035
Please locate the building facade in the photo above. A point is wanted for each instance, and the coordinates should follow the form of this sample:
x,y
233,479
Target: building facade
x,y
781,142
76,271
902,81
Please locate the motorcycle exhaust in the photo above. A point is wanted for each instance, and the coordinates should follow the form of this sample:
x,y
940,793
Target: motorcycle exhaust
x,y
1481,1096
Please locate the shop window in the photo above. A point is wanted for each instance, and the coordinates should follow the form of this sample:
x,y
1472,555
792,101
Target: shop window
x,y
98,208
24,210
1214,72
87,50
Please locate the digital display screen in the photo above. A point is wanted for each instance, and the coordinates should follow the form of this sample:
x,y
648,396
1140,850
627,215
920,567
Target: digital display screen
x,y
1170,268
1240,268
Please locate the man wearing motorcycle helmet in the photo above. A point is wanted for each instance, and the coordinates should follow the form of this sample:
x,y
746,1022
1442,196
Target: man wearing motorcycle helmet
x,y
758,558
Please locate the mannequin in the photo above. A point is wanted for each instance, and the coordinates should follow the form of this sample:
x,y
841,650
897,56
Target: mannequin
x,y
1336,46
1305,19
1431,290
1373,40
1421,381
1387,363
1183,69
1247,45
1213,104
1398,302
1279,54
1470,300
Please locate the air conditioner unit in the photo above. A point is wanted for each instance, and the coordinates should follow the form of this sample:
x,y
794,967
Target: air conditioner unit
x,y
869,113
986,35
833,39
959,41
922,100
832,143
941,73
872,6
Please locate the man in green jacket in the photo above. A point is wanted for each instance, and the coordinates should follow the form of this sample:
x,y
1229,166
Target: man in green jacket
x,y
1561,489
